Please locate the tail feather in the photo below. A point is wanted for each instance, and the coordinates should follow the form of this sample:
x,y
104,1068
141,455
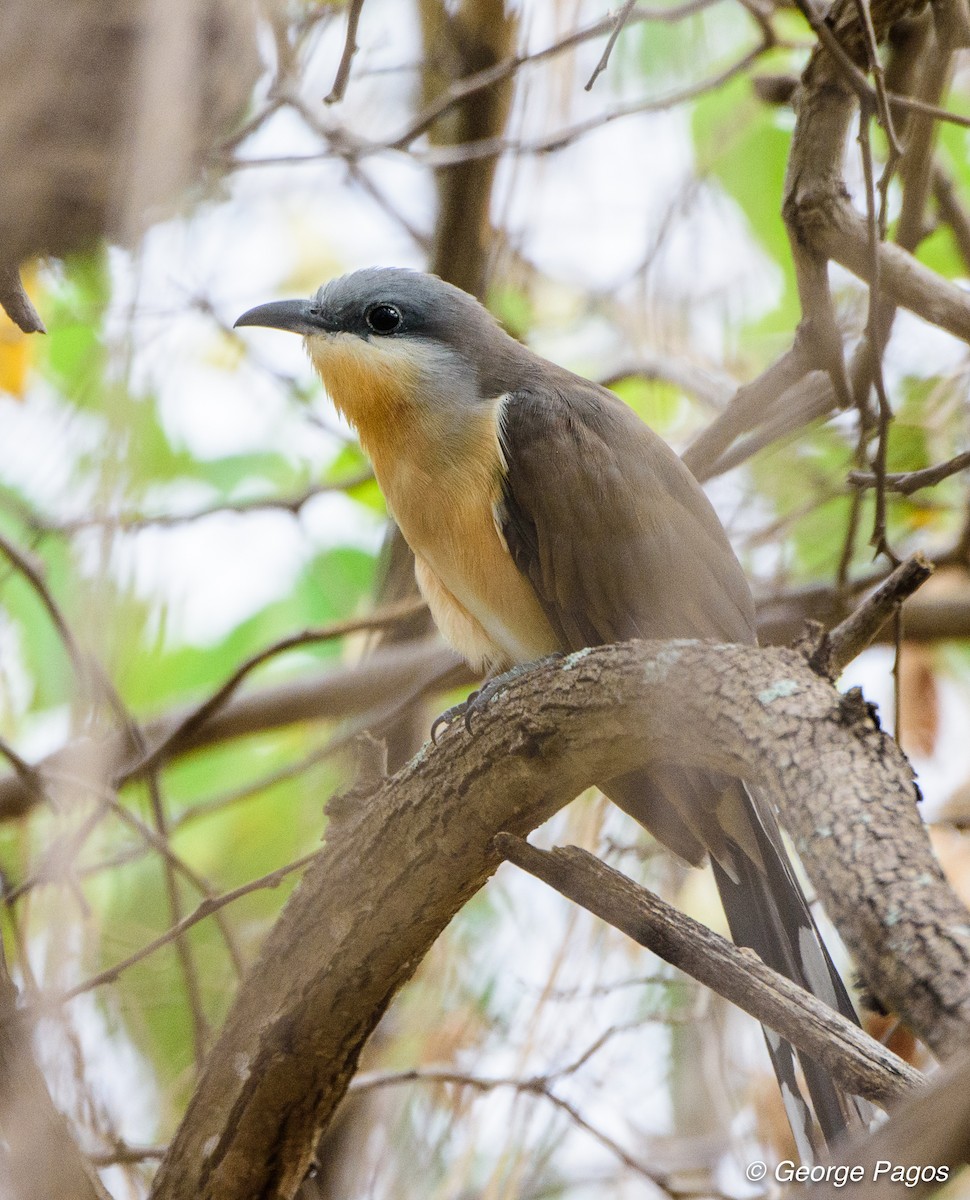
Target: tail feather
x,y
779,927
767,912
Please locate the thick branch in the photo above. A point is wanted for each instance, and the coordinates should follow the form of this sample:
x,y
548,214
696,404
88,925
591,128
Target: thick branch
x,y
350,937
405,672
821,221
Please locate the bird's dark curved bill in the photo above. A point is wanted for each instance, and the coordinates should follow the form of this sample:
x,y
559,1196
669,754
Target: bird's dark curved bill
x,y
291,315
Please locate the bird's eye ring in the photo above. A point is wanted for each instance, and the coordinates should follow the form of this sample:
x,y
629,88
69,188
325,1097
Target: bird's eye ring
x,y
383,318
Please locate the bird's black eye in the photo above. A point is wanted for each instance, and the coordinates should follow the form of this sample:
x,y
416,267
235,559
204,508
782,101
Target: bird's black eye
x,y
383,318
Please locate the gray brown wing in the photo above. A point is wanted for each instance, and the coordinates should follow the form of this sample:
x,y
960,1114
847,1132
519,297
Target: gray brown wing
x,y
612,530
619,541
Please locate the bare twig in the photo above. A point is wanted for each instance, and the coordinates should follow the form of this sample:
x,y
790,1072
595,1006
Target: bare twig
x,y
390,615
745,411
708,386
134,522
206,908
537,1086
621,20
462,89
844,643
452,156
347,691
342,78
907,482
32,571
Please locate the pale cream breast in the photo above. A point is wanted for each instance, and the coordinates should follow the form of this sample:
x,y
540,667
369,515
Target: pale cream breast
x,y
439,467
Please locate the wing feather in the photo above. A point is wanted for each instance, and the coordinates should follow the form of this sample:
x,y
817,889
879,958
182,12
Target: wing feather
x,y
611,529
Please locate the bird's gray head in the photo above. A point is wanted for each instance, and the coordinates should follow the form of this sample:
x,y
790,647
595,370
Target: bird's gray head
x,y
387,319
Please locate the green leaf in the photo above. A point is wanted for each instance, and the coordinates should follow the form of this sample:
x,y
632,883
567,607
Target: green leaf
x,y
655,401
743,144
73,355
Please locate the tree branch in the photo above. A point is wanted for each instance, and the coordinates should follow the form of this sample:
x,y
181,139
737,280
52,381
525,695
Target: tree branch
x,y
841,645
350,938
362,689
342,78
856,1061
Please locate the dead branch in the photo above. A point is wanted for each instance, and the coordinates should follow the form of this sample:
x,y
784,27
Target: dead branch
x,y
858,1063
841,645
336,93
908,482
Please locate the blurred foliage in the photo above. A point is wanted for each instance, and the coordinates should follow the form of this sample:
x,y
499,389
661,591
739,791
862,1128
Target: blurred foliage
x,y
238,811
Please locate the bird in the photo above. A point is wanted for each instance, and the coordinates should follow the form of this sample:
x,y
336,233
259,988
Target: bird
x,y
545,517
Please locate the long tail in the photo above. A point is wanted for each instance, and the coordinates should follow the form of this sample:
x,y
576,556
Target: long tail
x,y
766,911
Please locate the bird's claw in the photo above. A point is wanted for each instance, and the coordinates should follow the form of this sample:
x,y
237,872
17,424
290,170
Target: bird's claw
x,y
464,709
474,702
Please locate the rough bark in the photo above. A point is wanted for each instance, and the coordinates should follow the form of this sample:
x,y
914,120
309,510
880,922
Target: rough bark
x,y
427,668
400,862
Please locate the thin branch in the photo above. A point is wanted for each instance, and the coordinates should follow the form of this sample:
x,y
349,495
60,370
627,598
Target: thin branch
x,y
206,908
134,522
873,330
462,89
537,1086
357,690
822,29
32,571
342,78
844,643
452,156
604,60
907,482
746,410
855,1060
392,614
708,386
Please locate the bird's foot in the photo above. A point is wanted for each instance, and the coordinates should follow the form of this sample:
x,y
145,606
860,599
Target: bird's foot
x,y
477,700
456,710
